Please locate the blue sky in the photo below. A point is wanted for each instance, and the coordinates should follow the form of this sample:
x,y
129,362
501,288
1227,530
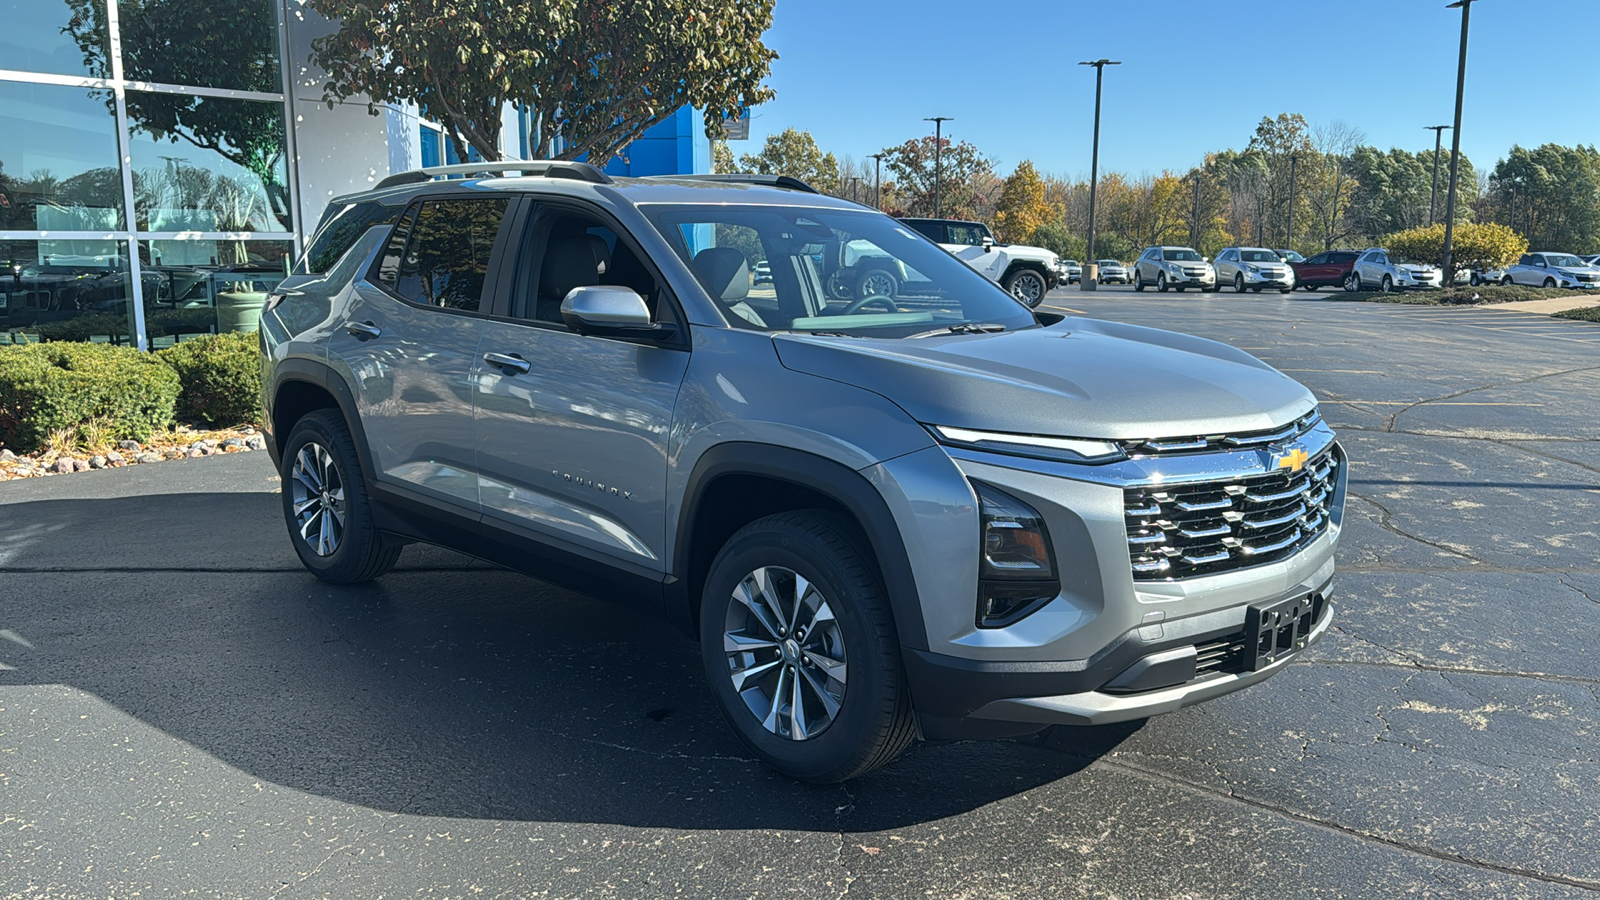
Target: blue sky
x,y
861,75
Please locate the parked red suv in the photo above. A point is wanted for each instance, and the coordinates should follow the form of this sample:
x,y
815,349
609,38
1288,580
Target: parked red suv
x,y
1331,267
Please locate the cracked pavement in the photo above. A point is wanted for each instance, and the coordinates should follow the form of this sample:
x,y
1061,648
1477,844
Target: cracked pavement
x,y
184,712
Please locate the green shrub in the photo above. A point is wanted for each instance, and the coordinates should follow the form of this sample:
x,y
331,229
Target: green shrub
x,y
1582,314
1462,295
221,378
50,387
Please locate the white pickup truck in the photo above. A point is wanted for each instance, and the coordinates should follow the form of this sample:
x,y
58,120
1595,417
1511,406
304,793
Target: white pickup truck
x,y
1028,273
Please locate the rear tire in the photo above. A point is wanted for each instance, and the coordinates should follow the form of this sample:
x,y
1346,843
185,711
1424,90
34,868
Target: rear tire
x,y
326,505
757,662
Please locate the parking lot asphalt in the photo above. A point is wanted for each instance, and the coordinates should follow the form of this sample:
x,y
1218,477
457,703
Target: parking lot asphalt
x,y
184,712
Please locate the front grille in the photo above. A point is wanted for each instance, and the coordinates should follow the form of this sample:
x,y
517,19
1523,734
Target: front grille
x,y
1183,531
1214,443
1195,273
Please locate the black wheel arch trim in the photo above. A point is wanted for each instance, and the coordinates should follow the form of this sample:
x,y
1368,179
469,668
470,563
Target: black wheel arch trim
x,y
317,374
845,486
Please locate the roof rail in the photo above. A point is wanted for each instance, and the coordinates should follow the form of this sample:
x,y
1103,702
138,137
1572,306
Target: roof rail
x,y
781,181
549,168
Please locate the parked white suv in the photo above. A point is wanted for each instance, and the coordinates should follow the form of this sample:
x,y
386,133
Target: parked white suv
x,y
1254,268
1378,269
1027,273
1175,267
1112,270
1562,270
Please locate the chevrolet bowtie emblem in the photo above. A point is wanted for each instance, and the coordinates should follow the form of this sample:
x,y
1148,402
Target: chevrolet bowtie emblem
x,y
1293,459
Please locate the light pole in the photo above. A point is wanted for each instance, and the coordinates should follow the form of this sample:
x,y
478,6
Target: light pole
x,y
877,181
938,146
1438,138
1455,145
1288,237
1091,269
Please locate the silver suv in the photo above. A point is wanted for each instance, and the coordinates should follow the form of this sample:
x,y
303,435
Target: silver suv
x,y
1253,268
934,514
1174,267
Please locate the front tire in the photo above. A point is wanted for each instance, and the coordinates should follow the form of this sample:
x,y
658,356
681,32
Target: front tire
x,y
877,283
1238,283
1028,286
326,505
1161,283
1387,285
800,648
1138,282
1352,282
1549,282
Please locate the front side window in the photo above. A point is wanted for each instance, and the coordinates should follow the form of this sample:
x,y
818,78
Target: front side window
x,y
446,258
834,271
967,233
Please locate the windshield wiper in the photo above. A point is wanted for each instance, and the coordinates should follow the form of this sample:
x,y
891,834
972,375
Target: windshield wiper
x,y
963,328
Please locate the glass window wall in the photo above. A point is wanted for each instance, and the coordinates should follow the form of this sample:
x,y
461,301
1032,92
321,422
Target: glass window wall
x,y
65,291
58,159
196,287
208,163
58,37
231,44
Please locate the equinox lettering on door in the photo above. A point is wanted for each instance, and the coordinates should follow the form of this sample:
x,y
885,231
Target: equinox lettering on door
x,y
587,482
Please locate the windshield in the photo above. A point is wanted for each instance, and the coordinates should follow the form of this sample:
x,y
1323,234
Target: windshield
x,y
1180,256
1562,259
836,271
1107,262
1266,256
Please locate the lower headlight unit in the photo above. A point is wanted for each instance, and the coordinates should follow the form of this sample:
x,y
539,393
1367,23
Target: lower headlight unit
x,y
1016,567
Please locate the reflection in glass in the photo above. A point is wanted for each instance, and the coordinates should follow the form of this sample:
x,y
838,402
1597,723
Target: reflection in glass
x,y
206,43
208,163
206,287
50,295
61,38
58,160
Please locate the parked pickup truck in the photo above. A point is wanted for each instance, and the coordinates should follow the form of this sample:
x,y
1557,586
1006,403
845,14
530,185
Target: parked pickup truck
x,y
1028,273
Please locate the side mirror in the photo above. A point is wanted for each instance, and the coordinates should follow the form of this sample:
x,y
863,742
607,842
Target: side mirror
x,y
611,311
988,244
1205,259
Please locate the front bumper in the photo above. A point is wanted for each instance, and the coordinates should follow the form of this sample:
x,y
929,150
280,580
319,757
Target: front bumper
x,y
1111,646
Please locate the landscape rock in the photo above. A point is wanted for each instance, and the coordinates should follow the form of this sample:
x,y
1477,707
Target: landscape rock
x,y
97,462
233,444
212,443
7,456
63,466
256,442
80,465
174,454
195,453
113,456
147,457
130,446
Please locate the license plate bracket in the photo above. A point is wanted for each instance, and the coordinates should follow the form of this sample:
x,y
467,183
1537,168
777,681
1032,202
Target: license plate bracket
x,y
1275,630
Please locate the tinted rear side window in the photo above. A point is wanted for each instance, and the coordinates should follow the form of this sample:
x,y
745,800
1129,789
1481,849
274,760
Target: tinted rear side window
x,y
446,259
341,232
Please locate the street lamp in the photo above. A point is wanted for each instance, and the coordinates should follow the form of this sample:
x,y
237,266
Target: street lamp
x,y
1091,269
1438,137
1288,238
877,180
938,145
1455,144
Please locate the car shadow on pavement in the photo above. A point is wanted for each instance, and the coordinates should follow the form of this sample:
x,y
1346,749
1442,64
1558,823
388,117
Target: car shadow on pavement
x,y
443,689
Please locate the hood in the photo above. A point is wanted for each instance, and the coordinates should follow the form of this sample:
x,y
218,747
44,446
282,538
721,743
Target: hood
x,y
1022,251
1079,378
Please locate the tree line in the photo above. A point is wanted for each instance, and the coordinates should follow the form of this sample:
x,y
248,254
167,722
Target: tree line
x,y
1294,185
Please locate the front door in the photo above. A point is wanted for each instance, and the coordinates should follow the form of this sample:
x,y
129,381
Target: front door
x,y
409,342
571,430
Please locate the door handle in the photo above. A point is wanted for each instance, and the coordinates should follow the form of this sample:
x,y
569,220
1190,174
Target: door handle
x,y
508,361
363,330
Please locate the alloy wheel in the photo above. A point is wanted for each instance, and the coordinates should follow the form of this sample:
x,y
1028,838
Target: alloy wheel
x,y
877,284
1028,287
785,652
317,489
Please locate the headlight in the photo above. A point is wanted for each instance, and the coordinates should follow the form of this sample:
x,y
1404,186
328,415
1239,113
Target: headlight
x,y
1173,268
1250,268
1016,566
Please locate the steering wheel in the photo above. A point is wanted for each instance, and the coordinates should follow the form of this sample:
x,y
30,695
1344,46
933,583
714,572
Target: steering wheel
x,y
870,298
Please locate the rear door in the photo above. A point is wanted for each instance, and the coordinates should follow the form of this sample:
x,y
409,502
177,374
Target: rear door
x,y
409,340
572,430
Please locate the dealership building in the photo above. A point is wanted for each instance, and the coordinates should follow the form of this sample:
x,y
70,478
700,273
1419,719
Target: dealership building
x,y
163,161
